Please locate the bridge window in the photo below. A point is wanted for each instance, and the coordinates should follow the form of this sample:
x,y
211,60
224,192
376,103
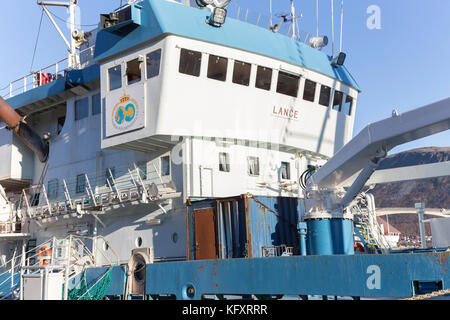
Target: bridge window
x,y
337,100
217,68
115,77
348,105
96,105
165,166
224,162
81,183
241,73
310,90
52,192
153,63
253,166
325,95
134,71
263,78
190,62
288,84
81,108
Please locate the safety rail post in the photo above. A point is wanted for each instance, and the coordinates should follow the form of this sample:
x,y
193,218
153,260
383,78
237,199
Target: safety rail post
x,y
132,178
66,274
67,194
89,190
140,181
13,266
46,199
26,202
114,184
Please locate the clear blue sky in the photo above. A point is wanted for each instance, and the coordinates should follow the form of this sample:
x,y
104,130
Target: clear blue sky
x,y
403,65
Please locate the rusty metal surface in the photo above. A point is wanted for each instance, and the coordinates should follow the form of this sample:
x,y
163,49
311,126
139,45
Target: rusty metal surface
x,y
11,117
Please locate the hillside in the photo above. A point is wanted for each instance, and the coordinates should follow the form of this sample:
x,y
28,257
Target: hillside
x,y
434,192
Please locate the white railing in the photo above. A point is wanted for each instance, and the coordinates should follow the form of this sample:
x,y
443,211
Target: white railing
x,y
46,75
96,191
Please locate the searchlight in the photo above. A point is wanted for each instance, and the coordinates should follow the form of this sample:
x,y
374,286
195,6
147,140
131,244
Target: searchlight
x,y
218,11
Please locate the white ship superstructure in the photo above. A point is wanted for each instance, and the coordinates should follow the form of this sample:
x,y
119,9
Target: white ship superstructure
x,y
205,118
176,134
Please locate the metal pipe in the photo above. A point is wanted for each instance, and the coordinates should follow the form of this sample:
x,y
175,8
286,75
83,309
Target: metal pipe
x,y
420,211
302,228
15,122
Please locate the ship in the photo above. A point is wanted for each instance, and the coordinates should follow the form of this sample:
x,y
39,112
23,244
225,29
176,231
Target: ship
x,y
178,153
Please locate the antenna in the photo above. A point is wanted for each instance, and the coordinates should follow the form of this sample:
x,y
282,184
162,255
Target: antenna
x,y
332,28
271,14
317,18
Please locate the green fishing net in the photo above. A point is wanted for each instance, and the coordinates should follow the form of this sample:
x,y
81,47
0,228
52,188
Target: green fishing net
x,y
95,290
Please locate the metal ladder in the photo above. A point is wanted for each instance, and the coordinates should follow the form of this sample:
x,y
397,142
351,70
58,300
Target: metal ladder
x,y
366,226
363,231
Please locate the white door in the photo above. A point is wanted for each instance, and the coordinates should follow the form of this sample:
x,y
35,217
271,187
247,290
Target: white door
x,y
206,177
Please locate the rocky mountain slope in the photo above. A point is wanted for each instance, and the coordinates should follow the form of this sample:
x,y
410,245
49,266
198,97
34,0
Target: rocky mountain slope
x,y
434,192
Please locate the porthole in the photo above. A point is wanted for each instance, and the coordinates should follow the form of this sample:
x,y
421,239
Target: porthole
x,y
105,246
138,242
175,237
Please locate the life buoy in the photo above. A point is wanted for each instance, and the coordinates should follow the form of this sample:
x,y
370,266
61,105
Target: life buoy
x,y
358,247
44,256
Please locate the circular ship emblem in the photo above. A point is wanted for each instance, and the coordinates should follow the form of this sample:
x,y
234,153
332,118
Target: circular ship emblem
x,y
124,113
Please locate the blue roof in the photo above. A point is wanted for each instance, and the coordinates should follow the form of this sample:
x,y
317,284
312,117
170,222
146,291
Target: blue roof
x,y
161,17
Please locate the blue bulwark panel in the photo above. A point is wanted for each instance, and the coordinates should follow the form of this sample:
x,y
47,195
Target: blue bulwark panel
x,y
161,17
393,275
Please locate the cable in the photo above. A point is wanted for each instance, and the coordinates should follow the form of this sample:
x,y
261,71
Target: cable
x,y
37,40
74,24
305,176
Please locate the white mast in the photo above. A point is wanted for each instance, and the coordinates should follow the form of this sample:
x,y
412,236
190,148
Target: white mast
x,y
317,18
294,35
71,6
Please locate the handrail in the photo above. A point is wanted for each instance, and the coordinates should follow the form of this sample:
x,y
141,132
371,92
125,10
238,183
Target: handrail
x,y
113,251
10,90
